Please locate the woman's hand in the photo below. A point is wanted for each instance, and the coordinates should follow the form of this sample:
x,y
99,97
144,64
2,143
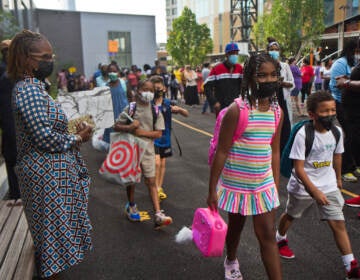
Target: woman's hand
x,y
85,132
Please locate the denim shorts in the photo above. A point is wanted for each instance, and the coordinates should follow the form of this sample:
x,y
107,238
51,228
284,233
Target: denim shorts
x,y
295,92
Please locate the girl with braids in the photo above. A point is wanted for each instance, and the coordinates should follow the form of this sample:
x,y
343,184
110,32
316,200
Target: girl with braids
x,y
244,175
53,179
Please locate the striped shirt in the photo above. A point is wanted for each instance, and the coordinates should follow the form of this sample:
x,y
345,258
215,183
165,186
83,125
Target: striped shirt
x,y
246,185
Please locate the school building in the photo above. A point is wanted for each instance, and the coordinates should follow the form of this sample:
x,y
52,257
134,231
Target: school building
x,y
85,39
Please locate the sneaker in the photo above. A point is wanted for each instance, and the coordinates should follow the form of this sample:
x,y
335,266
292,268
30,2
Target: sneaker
x,y
161,220
357,172
284,250
162,194
354,272
353,202
132,213
232,270
349,177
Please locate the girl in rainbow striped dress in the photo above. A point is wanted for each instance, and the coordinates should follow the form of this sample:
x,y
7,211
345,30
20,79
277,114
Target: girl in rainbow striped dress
x,y
245,174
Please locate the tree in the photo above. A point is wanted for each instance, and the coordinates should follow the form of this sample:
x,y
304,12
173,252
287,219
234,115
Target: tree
x,y
8,25
296,24
189,42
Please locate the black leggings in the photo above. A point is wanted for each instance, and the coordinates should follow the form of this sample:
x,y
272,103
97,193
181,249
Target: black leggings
x,y
305,90
286,127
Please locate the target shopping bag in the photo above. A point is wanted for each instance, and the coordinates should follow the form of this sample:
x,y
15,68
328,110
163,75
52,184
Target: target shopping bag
x,y
122,163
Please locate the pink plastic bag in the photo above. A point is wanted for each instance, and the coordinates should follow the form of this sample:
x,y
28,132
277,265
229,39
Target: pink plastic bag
x,y
209,232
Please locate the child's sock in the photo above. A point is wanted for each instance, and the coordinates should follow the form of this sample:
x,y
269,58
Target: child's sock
x,y
347,259
279,237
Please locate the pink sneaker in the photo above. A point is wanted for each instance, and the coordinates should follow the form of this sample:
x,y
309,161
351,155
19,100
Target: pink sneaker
x,y
353,202
284,250
232,270
354,272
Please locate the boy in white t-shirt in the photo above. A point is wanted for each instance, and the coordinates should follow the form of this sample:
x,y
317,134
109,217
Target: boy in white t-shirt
x,y
317,178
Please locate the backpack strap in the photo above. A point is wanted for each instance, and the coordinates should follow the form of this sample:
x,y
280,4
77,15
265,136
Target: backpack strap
x,y
309,137
243,118
335,131
277,116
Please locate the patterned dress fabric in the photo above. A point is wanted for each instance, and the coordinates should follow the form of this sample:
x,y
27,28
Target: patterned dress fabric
x,y
246,185
53,179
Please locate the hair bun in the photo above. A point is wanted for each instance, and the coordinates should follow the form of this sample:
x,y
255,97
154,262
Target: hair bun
x,y
271,39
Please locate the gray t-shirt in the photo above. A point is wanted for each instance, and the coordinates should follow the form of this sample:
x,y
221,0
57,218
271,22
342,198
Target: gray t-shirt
x,y
144,115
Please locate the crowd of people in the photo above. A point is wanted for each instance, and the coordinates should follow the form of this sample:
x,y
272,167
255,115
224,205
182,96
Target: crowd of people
x,y
51,178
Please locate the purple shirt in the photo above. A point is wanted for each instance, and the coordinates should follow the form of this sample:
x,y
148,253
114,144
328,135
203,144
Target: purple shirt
x,y
318,79
297,76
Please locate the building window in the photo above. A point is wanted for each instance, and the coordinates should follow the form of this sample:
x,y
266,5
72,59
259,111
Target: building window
x,y
174,12
167,12
119,48
353,8
173,2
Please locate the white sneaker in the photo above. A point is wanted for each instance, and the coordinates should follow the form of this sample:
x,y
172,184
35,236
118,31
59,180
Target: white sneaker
x,y
161,220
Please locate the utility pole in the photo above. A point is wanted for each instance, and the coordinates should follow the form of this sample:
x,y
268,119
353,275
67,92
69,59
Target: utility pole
x,y
243,15
341,28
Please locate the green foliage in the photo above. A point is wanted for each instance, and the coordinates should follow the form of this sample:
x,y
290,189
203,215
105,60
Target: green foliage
x,y
189,42
8,25
293,23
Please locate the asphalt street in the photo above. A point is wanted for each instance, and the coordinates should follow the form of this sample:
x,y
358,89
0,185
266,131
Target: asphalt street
x,y
126,250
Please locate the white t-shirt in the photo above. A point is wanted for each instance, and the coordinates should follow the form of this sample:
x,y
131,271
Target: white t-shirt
x,y
326,72
319,163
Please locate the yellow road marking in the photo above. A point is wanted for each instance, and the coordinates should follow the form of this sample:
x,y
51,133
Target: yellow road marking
x,y
193,128
210,135
349,193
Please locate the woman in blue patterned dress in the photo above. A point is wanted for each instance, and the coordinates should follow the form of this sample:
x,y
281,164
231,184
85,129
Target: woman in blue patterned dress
x,y
54,181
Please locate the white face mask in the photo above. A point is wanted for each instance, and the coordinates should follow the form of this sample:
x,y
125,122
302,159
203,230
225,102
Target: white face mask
x,y
146,96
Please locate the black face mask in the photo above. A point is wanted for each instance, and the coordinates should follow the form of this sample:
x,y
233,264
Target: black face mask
x,y
158,93
45,69
267,89
104,73
327,122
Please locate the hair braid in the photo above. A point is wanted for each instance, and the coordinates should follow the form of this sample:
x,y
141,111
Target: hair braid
x,y
20,48
251,68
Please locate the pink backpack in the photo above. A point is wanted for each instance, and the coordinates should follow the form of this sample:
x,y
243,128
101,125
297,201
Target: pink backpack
x,y
241,125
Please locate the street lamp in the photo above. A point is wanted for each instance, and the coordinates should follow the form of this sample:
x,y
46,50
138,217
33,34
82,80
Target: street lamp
x,y
342,32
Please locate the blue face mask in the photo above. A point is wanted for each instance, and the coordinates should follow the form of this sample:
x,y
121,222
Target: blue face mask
x,y
274,54
233,59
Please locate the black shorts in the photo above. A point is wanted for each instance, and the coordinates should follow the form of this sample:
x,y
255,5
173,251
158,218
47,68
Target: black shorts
x,y
164,152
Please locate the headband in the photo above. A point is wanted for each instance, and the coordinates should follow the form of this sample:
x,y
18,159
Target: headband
x,y
273,43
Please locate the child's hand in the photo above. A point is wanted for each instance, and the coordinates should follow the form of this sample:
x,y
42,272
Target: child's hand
x,y
135,124
212,201
320,198
339,183
175,109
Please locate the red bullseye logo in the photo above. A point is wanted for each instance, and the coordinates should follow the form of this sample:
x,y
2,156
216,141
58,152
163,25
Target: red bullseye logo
x,y
121,159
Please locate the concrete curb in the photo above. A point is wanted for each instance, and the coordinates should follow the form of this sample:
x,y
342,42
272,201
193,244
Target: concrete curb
x,y
4,186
